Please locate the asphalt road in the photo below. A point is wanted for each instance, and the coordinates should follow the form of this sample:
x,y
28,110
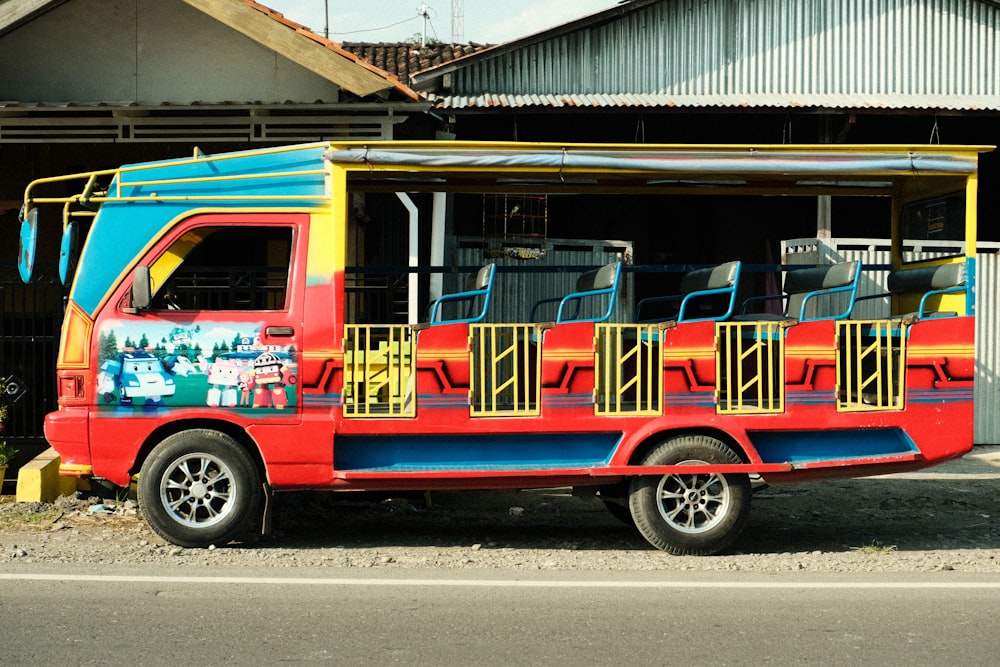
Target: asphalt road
x,y
425,617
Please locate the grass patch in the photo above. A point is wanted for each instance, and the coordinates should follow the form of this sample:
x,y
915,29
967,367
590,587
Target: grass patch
x,y
876,548
32,520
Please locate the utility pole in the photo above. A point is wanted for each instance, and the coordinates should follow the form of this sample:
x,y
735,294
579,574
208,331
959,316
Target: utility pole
x,y
326,25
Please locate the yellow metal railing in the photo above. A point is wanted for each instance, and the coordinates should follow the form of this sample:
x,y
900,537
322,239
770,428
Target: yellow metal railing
x,y
628,372
505,370
750,368
378,371
871,364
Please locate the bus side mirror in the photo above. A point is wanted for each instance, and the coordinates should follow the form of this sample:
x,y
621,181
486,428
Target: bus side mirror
x,y
27,242
68,253
141,292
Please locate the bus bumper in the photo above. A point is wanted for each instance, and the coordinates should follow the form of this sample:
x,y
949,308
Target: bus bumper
x,y
68,432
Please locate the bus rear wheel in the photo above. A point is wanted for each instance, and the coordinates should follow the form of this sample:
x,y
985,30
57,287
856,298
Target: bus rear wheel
x,y
199,487
691,514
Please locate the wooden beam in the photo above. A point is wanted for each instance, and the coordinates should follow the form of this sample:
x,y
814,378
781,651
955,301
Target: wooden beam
x,y
298,48
15,12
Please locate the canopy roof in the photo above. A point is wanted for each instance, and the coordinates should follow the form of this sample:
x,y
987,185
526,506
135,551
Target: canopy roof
x,y
807,169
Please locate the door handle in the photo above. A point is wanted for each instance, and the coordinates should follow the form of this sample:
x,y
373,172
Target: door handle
x,y
286,332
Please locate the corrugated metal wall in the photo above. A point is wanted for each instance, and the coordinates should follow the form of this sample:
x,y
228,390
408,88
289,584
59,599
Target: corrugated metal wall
x,y
531,280
987,349
919,53
876,251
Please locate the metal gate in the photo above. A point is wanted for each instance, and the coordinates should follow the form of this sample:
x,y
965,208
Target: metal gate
x,y
30,317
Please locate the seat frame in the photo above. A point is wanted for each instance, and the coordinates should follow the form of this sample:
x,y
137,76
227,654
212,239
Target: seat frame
x,y
930,281
802,285
602,281
723,279
479,284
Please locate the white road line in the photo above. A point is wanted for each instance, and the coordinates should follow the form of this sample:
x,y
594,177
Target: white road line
x,y
500,583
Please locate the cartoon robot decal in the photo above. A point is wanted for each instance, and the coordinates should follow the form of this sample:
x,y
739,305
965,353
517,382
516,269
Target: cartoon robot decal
x,y
224,377
241,372
181,366
135,375
268,380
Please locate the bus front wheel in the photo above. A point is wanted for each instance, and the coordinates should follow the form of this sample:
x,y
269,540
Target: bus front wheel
x,y
199,487
690,514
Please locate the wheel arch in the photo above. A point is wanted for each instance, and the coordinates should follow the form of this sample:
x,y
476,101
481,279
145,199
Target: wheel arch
x,y
236,432
650,442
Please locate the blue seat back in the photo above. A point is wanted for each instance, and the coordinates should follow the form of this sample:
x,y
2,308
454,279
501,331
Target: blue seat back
x,y
478,289
804,285
929,281
601,282
721,280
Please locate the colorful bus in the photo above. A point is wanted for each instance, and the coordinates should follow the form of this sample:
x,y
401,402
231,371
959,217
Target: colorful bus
x,y
240,286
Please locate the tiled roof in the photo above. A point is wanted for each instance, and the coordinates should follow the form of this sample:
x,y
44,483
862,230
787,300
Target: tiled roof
x,y
397,82
405,59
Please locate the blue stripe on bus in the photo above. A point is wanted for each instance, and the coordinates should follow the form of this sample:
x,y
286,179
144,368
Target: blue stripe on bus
x,y
823,445
514,451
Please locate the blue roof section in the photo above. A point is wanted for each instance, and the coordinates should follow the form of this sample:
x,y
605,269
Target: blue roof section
x,y
290,172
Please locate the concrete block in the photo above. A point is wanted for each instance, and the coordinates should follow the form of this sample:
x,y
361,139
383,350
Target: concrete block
x,y
39,480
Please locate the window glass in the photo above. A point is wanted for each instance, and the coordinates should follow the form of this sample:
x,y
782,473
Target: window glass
x,y
934,227
224,268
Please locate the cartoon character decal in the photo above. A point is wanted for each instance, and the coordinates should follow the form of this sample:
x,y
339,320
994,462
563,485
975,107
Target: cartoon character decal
x,y
224,378
268,381
135,375
214,364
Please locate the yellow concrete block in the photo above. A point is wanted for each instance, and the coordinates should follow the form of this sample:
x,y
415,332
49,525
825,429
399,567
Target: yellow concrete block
x,y
39,480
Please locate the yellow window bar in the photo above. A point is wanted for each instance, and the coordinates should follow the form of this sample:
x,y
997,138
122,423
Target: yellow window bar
x,y
378,371
750,368
871,365
628,372
505,370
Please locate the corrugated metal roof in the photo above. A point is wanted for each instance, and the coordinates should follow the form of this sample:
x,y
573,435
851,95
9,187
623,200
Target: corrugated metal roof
x,y
883,54
929,102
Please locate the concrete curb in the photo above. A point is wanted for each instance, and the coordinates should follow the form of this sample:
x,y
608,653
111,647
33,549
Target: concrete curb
x,y
39,481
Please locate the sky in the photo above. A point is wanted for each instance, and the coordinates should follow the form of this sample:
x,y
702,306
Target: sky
x,y
485,22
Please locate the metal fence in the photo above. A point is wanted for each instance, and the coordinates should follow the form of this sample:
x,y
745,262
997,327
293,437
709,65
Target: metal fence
x,y
30,318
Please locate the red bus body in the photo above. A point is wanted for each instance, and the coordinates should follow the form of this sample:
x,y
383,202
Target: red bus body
x,y
231,274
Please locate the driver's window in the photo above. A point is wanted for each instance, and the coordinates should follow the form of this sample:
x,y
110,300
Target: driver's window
x,y
224,268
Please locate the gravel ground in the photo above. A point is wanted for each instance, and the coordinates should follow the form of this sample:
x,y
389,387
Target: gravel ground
x,y
945,518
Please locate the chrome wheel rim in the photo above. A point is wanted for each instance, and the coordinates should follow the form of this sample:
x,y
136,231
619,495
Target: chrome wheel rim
x,y
198,490
693,503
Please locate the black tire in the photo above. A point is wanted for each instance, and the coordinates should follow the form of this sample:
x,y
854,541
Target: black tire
x,y
619,511
199,487
691,515
615,499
